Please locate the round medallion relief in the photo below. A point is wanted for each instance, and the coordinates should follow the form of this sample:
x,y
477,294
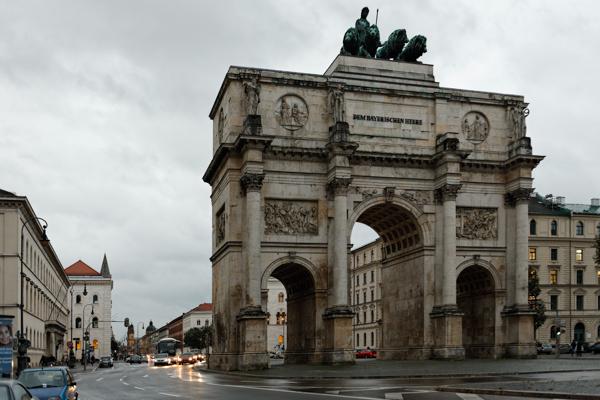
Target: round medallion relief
x,y
291,112
475,126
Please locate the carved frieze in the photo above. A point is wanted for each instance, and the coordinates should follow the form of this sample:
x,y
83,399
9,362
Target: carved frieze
x,y
476,223
291,112
475,126
291,217
418,197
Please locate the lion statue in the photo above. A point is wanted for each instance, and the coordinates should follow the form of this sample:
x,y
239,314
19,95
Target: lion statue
x,y
372,41
350,43
391,48
414,49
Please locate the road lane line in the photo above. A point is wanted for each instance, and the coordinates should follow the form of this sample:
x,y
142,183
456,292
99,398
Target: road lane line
x,y
99,379
288,391
468,396
145,376
138,388
169,394
125,383
394,396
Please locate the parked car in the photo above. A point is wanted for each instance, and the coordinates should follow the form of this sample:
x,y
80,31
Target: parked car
x,y
135,359
544,348
187,358
162,359
565,348
366,353
11,389
56,383
105,362
595,348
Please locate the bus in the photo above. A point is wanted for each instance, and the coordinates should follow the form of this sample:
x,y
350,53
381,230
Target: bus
x,y
170,346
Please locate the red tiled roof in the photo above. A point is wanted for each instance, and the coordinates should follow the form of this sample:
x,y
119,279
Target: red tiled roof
x,y
203,307
81,269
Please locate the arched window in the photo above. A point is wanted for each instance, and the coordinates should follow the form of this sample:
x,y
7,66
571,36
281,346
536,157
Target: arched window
x,y
78,299
281,318
598,230
579,228
95,299
554,228
532,227
280,297
77,322
552,332
95,322
278,318
598,332
206,323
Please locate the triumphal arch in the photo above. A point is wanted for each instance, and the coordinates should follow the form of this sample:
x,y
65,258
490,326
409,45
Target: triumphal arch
x,y
442,175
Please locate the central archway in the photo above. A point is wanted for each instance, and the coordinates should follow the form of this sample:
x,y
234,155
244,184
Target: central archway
x,y
475,297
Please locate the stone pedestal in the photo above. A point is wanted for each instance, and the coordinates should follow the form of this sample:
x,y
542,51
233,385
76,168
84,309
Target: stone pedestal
x,y
447,333
518,323
338,346
252,334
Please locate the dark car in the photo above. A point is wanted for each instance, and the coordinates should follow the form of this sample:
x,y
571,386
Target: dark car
x,y
11,389
135,359
544,348
49,383
105,362
187,358
595,348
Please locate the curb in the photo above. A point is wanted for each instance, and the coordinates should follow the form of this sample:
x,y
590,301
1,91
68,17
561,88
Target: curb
x,y
520,393
407,377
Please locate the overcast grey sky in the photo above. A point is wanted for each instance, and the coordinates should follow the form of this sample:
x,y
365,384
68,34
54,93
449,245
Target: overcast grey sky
x,y
104,111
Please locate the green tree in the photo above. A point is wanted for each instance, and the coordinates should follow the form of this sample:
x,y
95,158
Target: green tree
x,y
198,338
534,303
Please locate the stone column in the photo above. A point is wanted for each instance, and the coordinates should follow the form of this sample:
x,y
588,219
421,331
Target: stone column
x,y
521,246
446,318
251,184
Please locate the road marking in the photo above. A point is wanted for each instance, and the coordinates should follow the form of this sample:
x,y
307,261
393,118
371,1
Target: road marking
x,y
138,388
288,391
145,376
468,396
125,383
169,394
99,379
394,396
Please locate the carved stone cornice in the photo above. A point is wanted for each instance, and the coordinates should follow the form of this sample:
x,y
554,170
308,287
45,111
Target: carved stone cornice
x,y
520,194
251,182
339,186
448,192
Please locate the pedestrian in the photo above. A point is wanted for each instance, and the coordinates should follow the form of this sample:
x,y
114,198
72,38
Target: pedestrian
x,y
573,347
579,348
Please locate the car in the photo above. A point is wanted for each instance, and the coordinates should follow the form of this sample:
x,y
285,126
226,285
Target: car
x,y
135,359
162,359
545,348
56,383
366,353
12,389
187,358
595,348
105,362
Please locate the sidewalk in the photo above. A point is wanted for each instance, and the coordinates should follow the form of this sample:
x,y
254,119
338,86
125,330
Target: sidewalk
x,y
374,369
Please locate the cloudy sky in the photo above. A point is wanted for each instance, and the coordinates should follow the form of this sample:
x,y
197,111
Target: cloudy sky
x,y
104,111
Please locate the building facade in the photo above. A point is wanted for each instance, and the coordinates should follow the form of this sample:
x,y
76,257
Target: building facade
x,y
198,317
563,240
91,307
44,288
365,294
276,306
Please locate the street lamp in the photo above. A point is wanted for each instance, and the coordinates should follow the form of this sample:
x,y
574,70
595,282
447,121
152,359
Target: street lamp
x,y
23,342
138,336
83,335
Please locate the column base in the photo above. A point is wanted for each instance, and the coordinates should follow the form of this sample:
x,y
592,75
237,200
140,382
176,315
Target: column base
x,y
446,322
338,331
252,339
518,324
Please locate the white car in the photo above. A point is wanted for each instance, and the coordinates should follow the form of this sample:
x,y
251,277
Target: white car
x,y
162,359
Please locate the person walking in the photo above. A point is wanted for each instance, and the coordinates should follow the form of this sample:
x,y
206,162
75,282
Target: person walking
x,y
579,348
573,347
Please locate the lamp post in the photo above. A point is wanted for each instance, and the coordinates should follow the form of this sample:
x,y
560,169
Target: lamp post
x,y
138,336
23,342
83,335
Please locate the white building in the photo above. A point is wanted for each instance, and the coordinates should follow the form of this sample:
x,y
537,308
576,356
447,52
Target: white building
x,y
197,317
276,314
91,293
45,286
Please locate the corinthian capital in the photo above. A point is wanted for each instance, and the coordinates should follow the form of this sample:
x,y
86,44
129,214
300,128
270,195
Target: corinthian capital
x,y
251,182
520,194
448,192
339,186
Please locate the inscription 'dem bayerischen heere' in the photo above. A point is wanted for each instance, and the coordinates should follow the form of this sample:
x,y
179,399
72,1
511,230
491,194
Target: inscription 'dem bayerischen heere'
x,y
379,118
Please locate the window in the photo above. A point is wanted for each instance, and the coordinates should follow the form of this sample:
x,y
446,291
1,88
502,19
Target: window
x,y
372,339
206,323
364,297
532,254
579,228
598,230
365,278
77,322
372,276
598,332
372,295
95,299
598,275
578,254
579,276
357,340
78,299
357,299
365,338
357,280
598,302
579,301
278,317
532,227
198,323
554,254
280,297
372,316
95,322
554,228
554,277
554,302
552,332
364,317
357,318
372,255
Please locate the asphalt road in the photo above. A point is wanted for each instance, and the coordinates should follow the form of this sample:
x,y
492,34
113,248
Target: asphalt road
x,y
125,381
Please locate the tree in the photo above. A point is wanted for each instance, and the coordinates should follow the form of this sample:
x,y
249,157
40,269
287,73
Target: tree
x,y
534,303
198,338
597,247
